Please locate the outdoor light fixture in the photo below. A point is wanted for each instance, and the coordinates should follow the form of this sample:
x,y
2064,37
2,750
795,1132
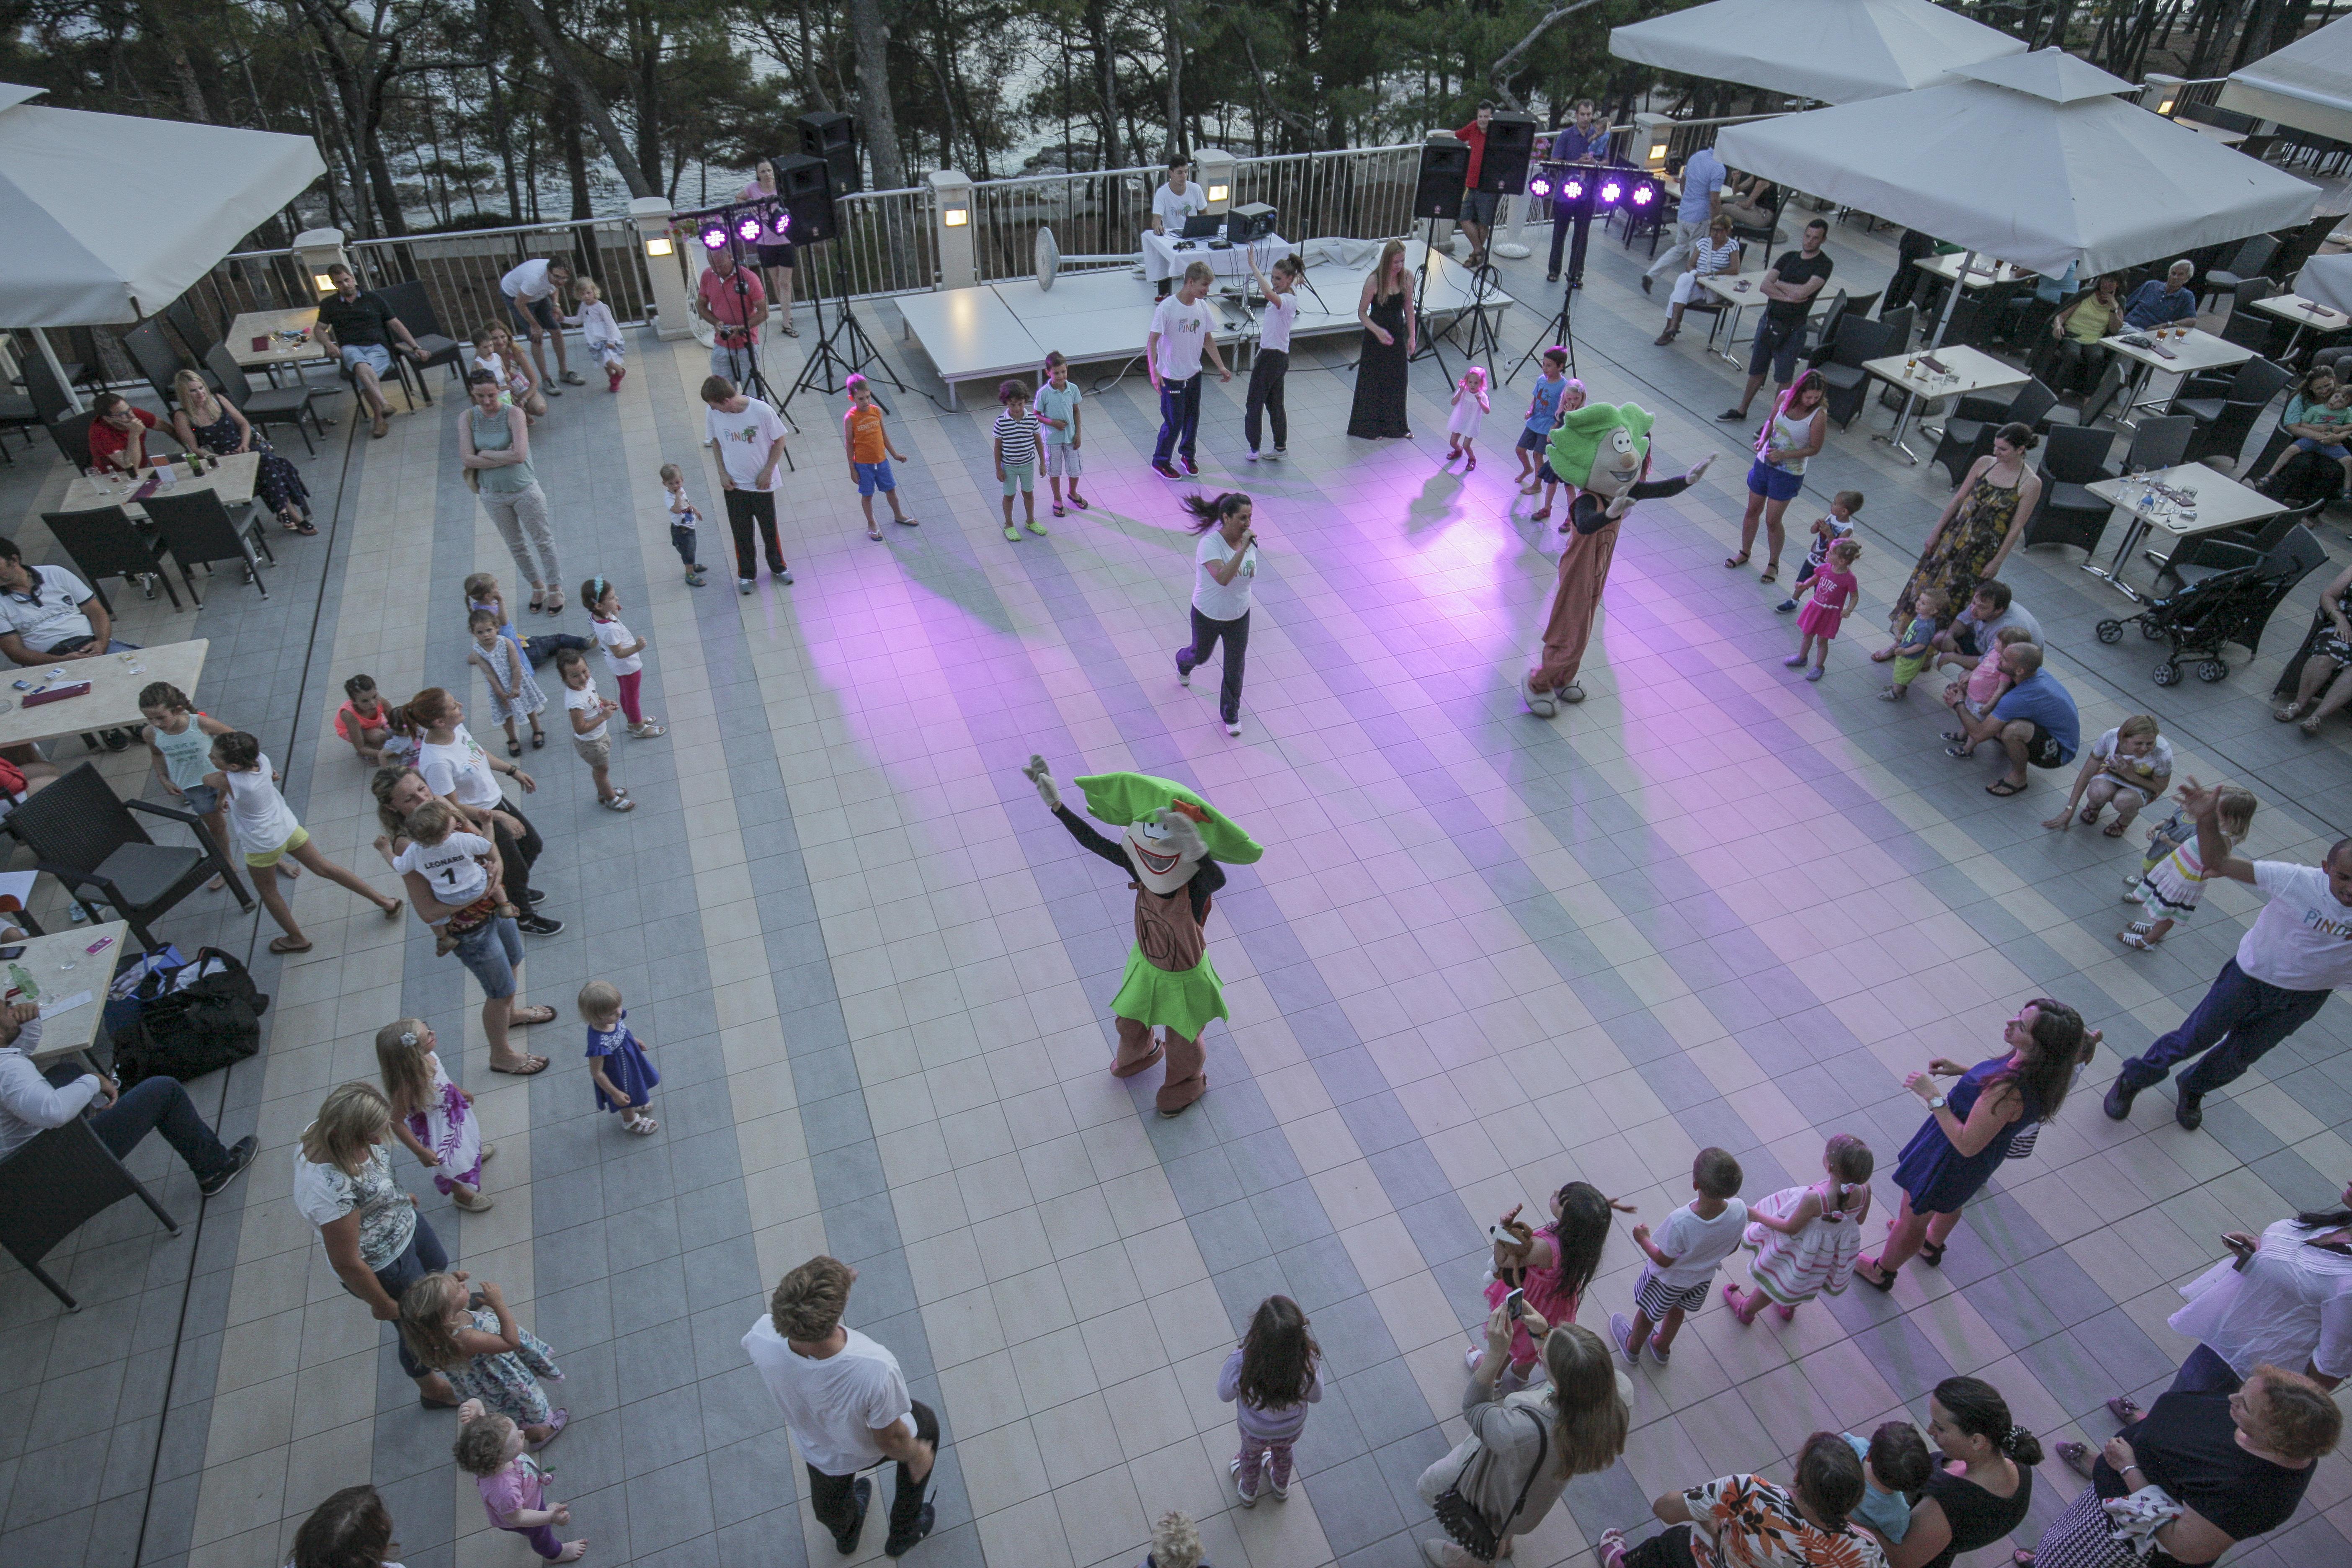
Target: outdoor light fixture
x,y
1219,193
2165,108
1657,154
955,218
657,244
323,283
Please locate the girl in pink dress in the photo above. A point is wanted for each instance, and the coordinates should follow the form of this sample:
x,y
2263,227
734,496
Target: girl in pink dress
x,y
1833,589
1552,1266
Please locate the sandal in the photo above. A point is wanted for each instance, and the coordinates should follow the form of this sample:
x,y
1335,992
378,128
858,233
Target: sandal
x,y
874,532
2004,788
532,1066
543,1014
1881,1286
2288,714
2309,726
641,1126
1931,1253
555,602
392,913
298,525
1771,572
1471,464
538,737
476,1203
1080,501
538,600
617,803
1732,562
1960,749
514,747
2135,939
2113,829
557,1420
1058,512
286,944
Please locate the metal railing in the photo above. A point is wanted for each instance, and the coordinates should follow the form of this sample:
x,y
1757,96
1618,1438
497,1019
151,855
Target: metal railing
x,y
2204,91
1363,193
461,273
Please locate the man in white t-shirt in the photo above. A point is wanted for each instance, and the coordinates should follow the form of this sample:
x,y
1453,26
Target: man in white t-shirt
x,y
48,614
845,1402
533,291
750,440
1175,201
1182,325
2298,950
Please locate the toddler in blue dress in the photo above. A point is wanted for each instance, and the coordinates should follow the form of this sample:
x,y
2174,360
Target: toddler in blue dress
x,y
624,1077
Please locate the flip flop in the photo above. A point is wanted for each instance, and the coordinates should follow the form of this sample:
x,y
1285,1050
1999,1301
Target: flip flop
x,y
907,522
530,1016
531,1068
557,1421
1958,750
285,944
2004,788
875,534
1080,501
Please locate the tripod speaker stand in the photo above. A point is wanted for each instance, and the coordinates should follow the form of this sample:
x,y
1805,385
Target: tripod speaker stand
x,y
842,349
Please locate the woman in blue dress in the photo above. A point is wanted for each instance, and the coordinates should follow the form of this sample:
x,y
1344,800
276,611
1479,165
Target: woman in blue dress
x,y
1968,1133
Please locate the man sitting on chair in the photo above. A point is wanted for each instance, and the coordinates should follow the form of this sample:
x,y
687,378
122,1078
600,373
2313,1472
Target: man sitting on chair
x,y
31,1102
358,329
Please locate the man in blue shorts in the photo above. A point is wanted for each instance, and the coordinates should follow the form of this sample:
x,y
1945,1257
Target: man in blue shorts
x,y
1789,290
358,329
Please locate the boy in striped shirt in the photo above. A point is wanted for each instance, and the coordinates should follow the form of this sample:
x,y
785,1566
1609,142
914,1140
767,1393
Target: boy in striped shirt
x,y
1017,455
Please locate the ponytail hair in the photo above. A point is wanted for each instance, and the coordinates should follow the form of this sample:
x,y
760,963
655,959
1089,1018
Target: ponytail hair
x,y
1208,512
1978,1409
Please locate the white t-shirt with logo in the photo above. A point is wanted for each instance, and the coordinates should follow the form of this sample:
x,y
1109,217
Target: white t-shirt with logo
x,y
1222,601
834,1406
1183,335
744,441
2302,939
1172,207
1698,1244
460,771
458,877
586,701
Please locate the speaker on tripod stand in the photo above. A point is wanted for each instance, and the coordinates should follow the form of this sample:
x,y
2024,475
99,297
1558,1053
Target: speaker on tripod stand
x,y
834,138
806,188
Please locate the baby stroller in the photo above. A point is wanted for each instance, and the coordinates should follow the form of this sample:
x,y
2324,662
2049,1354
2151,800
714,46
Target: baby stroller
x,y
2231,604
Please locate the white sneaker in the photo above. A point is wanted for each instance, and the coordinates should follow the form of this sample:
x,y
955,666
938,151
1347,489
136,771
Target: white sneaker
x,y
1233,729
1281,1489
745,584
1233,1465
1253,454
1183,673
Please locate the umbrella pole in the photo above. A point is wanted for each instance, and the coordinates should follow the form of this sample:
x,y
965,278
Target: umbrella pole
x,y
41,339
1943,325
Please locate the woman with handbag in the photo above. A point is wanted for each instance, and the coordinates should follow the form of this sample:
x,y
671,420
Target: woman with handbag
x,y
1502,1479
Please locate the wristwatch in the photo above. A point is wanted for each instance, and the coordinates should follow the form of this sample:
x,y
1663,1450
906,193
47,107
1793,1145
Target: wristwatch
x,y
1938,1102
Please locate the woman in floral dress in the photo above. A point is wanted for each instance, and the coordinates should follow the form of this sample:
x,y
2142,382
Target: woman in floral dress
x,y
206,419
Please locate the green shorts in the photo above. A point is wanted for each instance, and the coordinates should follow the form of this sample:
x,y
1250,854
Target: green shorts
x,y
1022,476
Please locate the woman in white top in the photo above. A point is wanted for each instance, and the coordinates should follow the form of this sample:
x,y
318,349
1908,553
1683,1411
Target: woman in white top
x,y
1226,567
376,1241
453,763
1799,425
1271,362
2284,1299
776,263
1718,254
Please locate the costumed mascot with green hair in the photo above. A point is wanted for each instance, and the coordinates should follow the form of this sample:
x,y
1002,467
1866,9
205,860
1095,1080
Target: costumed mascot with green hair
x,y
1602,449
1170,849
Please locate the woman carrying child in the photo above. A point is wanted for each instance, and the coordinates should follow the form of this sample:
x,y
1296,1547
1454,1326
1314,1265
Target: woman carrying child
x,y
2131,765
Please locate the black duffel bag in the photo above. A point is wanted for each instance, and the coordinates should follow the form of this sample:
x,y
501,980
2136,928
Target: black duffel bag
x,y
193,1020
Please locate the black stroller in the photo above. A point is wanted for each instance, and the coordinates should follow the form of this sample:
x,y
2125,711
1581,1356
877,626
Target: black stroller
x,y
2227,596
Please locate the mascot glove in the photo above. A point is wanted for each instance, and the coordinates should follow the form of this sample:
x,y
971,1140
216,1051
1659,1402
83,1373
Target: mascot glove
x,y
1038,773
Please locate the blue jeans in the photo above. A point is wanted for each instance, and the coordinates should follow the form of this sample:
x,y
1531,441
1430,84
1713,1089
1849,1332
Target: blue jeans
x,y
2239,1020
426,1255
1180,416
152,1105
75,645
489,953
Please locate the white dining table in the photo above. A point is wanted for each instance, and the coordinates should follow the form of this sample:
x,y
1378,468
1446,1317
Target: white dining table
x,y
2221,502
1966,370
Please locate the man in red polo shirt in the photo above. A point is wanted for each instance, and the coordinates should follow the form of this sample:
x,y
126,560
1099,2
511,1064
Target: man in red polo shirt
x,y
736,316
1478,220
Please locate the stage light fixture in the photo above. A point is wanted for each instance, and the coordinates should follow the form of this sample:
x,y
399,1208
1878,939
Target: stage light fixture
x,y
1610,192
748,228
1644,194
1572,188
714,236
1539,186
779,220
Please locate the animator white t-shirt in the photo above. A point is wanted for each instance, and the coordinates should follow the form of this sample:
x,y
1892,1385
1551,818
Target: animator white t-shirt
x,y
1172,207
1222,601
834,1406
744,441
1274,324
2302,939
1183,336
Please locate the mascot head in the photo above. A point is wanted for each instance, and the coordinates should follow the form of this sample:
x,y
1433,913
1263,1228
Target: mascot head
x,y
1603,448
1168,828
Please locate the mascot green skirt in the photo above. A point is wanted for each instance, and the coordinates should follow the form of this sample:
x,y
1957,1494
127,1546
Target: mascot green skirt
x,y
1170,850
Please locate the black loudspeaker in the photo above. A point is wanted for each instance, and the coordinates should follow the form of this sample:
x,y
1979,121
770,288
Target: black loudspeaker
x,y
1253,221
1437,189
806,185
1510,141
834,138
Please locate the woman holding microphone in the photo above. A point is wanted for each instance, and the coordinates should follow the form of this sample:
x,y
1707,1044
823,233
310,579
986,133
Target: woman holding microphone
x,y
1225,569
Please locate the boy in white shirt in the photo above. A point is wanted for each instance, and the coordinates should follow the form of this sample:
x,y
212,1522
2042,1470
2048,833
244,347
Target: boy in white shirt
x,y
1682,1258
1175,201
1182,326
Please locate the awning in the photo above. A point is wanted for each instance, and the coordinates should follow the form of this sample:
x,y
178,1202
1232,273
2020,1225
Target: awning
x,y
1834,51
2306,85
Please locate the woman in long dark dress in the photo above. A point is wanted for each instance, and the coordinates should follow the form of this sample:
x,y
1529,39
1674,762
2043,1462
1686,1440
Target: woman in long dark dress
x,y
1386,311
206,419
1968,1133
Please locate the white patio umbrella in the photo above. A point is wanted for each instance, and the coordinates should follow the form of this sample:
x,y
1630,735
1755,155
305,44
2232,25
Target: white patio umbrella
x,y
2033,160
2306,85
1838,51
110,217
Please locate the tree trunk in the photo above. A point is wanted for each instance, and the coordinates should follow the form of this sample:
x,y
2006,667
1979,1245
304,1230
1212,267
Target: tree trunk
x,y
1175,144
645,48
590,102
1105,80
881,127
183,69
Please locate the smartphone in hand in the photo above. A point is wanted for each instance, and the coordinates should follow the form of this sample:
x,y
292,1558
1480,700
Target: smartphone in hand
x,y
1515,1303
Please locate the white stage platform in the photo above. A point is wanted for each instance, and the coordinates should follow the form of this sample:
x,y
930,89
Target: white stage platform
x,y
1001,330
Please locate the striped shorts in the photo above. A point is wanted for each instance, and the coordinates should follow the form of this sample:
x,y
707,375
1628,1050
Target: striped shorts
x,y
1655,1298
